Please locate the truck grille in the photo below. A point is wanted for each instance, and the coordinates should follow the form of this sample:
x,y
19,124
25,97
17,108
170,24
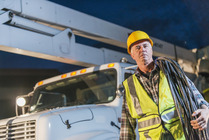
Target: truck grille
x,y
18,131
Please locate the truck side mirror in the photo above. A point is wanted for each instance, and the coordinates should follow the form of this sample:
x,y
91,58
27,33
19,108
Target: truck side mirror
x,y
120,91
22,102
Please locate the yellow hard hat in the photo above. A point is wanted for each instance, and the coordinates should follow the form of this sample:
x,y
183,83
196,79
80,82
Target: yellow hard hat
x,y
137,36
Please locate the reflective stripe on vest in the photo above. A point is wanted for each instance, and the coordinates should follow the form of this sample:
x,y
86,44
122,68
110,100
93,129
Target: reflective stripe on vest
x,y
149,122
149,116
134,97
169,117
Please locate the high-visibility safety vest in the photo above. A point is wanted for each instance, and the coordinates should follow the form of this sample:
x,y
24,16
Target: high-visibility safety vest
x,y
153,119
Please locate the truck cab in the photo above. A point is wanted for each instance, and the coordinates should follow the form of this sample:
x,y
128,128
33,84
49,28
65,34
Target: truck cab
x,y
83,104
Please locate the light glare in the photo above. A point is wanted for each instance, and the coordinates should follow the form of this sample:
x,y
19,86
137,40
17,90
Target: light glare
x,y
21,101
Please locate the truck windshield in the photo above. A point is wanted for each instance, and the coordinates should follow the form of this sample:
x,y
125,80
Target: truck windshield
x,y
92,88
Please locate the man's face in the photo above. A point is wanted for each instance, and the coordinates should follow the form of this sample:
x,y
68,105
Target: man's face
x,y
142,53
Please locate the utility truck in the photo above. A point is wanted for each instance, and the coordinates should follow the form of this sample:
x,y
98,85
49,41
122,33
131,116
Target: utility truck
x,y
83,104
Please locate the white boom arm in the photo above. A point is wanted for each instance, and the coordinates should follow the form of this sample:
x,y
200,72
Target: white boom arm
x,y
47,30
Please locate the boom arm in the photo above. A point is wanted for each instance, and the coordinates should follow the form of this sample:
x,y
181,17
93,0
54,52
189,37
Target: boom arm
x,y
47,30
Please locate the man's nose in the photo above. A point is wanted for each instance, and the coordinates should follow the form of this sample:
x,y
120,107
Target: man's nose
x,y
143,48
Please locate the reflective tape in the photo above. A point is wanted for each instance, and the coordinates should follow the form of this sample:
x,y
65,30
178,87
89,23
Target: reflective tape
x,y
149,122
167,117
134,97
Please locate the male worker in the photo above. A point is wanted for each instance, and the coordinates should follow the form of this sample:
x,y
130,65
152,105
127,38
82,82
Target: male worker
x,y
147,93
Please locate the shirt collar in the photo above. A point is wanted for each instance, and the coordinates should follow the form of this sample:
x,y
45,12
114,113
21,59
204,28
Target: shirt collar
x,y
138,72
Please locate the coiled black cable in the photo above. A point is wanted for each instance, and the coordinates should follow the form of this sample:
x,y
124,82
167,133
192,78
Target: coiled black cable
x,y
183,97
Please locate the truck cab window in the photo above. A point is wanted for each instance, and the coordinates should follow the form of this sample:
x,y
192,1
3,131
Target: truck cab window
x,y
93,88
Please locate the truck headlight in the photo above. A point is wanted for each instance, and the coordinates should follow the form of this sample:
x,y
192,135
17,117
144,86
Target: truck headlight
x,y
21,101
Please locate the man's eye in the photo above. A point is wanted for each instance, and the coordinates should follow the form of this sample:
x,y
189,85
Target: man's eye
x,y
145,45
138,47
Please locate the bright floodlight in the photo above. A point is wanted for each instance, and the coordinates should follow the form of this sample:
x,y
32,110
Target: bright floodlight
x,y
21,101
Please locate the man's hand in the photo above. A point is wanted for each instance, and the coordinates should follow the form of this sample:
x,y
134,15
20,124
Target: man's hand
x,y
202,119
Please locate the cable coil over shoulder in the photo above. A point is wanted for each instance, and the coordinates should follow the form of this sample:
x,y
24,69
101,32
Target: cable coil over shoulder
x,y
183,96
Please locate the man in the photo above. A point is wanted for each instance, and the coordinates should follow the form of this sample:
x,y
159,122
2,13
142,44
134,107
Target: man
x,y
148,101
